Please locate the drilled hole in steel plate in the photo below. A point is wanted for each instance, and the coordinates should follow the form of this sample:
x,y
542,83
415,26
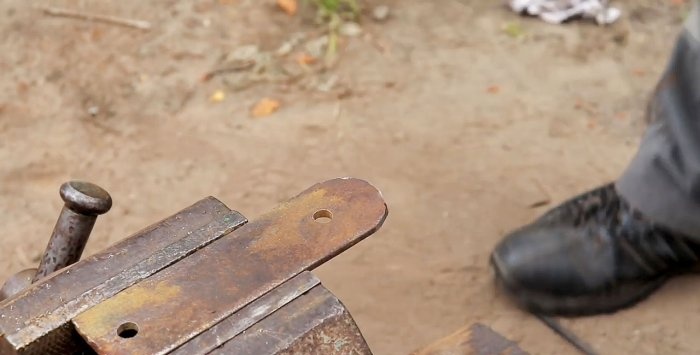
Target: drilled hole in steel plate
x,y
128,330
323,216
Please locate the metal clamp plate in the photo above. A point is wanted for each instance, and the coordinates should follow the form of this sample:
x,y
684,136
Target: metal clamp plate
x,y
178,303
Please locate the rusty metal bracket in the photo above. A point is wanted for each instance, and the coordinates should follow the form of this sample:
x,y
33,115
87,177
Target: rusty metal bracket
x,y
201,281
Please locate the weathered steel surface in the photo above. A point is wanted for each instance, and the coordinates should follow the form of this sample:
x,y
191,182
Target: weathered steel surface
x,y
17,283
336,335
315,323
39,315
249,315
198,292
475,340
83,203
63,340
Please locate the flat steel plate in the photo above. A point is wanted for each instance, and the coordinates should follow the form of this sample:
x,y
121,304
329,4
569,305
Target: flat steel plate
x,y
191,296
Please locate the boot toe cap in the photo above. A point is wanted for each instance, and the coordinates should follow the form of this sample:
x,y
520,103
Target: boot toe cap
x,y
554,260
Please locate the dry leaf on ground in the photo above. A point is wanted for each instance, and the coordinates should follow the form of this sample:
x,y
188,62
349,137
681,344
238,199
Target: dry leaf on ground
x,y
306,59
265,107
288,6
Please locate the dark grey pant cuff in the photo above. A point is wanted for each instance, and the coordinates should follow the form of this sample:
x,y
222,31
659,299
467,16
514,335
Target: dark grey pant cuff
x,y
645,188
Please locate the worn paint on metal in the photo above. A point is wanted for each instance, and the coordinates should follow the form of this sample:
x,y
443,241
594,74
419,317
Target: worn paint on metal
x,y
235,270
135,299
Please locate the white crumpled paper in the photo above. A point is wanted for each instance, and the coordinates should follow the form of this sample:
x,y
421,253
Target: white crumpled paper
x,y
558,11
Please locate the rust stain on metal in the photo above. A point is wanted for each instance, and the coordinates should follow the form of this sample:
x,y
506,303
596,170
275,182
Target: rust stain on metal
x,y
223,277
297,211
337,335
135,298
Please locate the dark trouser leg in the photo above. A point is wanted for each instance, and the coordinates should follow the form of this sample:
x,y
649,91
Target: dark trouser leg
x,y
663,179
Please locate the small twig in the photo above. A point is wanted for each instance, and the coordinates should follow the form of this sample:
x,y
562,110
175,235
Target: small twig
x,y
59,12
244,65
544,199
568,335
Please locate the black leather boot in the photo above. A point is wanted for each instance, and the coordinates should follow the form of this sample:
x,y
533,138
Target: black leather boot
x,y
592,254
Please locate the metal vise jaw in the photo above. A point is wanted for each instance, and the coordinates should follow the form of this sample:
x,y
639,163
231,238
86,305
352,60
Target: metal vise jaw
x,y
204,281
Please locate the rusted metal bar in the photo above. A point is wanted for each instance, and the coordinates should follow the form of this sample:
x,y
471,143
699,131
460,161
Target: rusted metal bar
x,y
315,323
242,320
337,334
38,320
200,291
477,339
83,203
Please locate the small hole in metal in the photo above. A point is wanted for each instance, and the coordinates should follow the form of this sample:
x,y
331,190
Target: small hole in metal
x,y
128,330
323,216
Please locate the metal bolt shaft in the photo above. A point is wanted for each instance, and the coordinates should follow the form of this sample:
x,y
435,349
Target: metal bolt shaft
x,y
83,203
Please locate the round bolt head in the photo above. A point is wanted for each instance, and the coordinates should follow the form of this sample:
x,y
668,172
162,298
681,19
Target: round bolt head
x,y
85,198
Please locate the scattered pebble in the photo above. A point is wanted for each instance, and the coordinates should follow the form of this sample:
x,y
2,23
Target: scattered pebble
x,y
380,13
284,49
93,110
317,47
217,96
327,85
265,107
289,45
305,60
244,53
350,29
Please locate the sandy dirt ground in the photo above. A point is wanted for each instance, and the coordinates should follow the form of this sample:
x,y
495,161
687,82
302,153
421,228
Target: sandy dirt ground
x,y
468,129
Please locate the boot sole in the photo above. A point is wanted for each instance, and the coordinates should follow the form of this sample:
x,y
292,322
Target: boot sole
x,y
623,296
